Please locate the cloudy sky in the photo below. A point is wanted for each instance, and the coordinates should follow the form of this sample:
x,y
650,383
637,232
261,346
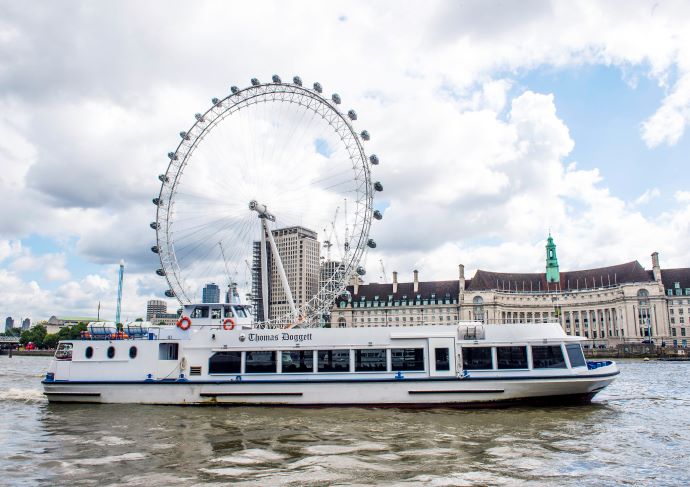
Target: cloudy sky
x,y
495,121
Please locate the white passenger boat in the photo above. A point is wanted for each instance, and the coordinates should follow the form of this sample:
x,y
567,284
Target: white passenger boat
x,y
217,356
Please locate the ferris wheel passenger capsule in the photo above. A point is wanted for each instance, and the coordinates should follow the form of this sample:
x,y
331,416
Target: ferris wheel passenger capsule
x,y
234,89
361,270
297,80
163,178
172,155
378,186
154,249
156,201
318,88
184,135
154,225
365,135
170,293
336,98
371,243
255,82
160,272
199,117
352,114
215,101
378,215
374,159
276,79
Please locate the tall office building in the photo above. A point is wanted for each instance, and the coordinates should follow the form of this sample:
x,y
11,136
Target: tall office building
x,y
210,293
299,251
26,323
9,323
155,307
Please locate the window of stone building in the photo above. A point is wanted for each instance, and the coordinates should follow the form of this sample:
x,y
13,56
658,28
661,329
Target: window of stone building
x,y
682,332
673,332
682,320
672,311
673,320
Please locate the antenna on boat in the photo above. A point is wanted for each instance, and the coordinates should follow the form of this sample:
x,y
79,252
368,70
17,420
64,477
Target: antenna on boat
x,y
119,291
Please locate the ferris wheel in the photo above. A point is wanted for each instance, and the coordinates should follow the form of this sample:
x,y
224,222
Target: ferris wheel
x,y
270,193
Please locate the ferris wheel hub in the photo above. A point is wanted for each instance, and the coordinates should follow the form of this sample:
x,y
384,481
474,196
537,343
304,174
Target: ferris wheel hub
x,y
262,210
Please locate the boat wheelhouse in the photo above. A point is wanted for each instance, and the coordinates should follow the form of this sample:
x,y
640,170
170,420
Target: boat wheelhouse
x,y
217,356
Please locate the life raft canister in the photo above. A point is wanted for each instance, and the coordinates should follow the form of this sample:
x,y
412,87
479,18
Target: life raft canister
x,y
184,323
228,324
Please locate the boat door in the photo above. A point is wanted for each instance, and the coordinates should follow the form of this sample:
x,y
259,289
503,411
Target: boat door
x,y
441,357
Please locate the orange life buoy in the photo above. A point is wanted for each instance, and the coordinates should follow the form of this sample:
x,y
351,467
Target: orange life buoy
x,y
184,323
228,324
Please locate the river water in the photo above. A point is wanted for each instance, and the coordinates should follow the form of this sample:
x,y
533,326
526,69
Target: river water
x,y
637,432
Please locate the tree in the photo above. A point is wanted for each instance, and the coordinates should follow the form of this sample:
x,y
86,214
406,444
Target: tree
x,y
50,340
35,334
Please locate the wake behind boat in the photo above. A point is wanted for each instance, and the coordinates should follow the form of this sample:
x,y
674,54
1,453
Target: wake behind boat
x,y
217,356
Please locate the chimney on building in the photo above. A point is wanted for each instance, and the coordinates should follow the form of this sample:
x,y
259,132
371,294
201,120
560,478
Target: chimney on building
x,y
656,268
395,282
461,276
416,280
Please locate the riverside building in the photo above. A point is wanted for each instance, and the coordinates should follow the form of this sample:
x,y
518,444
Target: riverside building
x,y
607,305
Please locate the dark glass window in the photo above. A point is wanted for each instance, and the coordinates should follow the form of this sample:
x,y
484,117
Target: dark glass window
x,y
334,360
407,358
298,361
476,358
370,360
111,352
575,355
512,357
548,357
227,311
167,351
88,353
260,362
132,352
442,359
225,363
215,313
200,312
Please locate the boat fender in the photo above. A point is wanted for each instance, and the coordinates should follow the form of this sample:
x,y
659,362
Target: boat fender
x,y
228,324
183,365
184,323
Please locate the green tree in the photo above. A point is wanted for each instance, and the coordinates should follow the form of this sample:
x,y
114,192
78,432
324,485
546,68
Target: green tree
x,y
35,334
50,340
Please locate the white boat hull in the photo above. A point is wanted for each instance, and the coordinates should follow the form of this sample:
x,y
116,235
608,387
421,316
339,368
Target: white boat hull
x,y
378,393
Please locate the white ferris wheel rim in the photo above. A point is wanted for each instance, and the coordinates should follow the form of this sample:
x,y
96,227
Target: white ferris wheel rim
x,y
239,99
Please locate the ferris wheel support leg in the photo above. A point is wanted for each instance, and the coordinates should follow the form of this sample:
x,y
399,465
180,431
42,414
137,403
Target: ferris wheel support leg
x,y
264,273
281,269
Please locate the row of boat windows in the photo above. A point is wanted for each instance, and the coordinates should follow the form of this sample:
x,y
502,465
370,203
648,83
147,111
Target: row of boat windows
x,y
305,361
543,357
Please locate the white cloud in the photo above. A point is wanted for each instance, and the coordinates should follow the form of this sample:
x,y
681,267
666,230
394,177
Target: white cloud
x,y
647,196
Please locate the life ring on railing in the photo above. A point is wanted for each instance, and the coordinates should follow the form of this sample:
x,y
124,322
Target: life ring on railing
x,y
228,324
184,323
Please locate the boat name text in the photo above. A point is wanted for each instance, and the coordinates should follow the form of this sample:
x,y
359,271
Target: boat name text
x,y
275,337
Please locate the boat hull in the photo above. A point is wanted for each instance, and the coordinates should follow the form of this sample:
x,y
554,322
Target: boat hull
x,y
446,392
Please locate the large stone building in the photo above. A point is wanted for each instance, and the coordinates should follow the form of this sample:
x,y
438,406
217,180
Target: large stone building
x,y
299,251
607,305
154,307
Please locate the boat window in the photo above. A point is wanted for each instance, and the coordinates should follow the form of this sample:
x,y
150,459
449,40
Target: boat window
x,y
64,351
111,352
442,358
512,357
548,357
200,312
260,362
298,361
228,312
225,363
88,353
407,359
167,351
371,360
132,352
334,360
476,358
241,312
215,314
575,355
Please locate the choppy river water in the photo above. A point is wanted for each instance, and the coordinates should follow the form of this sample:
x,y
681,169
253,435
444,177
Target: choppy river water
x,y
637,432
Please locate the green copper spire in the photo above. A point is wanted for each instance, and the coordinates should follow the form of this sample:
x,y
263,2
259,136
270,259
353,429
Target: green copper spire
x,y
552,274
